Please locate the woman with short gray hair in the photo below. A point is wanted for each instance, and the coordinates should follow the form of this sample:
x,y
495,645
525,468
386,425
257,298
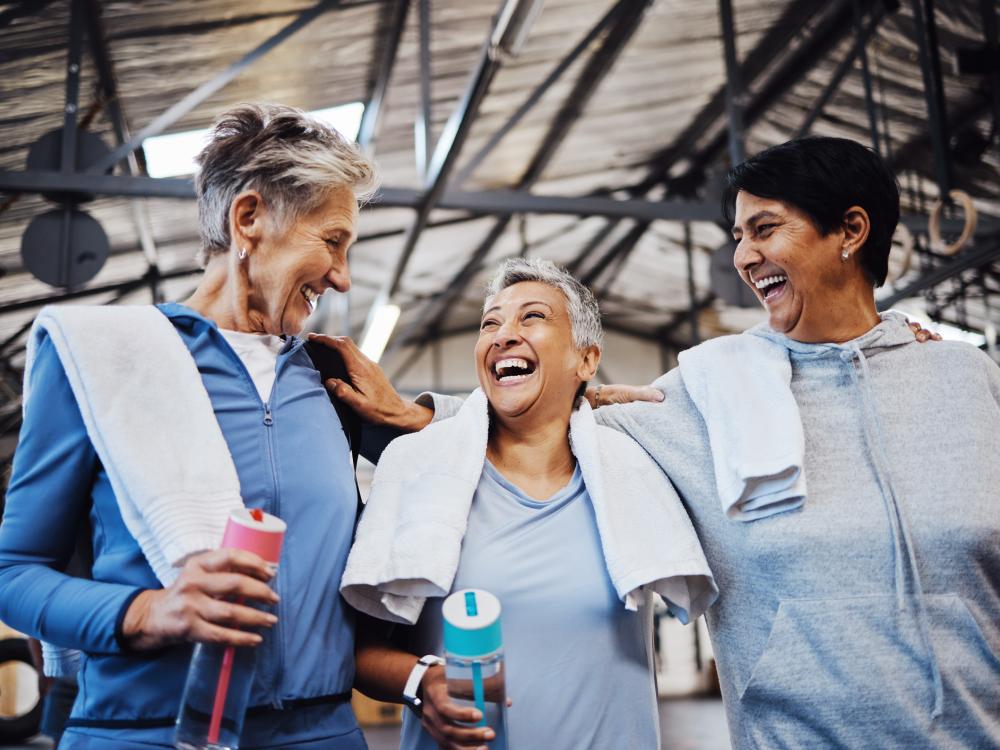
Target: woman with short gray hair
x,y
278,196
569,524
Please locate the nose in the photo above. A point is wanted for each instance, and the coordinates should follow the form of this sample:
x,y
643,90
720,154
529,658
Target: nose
x,y
339,276
746,256
507,335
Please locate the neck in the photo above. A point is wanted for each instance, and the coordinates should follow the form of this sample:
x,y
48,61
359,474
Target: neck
x,y
853,315
222,297
536,458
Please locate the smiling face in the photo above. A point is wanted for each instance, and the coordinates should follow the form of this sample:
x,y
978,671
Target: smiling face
x,y
809,291
289,267
526,359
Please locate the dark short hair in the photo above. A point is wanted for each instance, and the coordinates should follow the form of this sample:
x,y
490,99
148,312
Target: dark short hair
x,y
823,177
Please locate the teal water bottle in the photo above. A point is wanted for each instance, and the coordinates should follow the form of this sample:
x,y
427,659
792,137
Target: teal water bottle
x,y
474,668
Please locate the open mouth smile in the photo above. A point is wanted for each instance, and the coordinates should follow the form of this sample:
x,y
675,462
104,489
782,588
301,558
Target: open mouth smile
x,y
512,370
310,295
771,287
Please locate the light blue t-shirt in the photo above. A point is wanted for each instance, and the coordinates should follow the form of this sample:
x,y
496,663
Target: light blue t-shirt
x,y
578,667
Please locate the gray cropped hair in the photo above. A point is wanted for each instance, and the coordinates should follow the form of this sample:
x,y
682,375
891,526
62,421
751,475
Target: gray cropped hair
x,y
293,160
584,314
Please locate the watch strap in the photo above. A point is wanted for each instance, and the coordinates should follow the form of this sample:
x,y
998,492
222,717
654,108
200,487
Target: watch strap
x,y
416,675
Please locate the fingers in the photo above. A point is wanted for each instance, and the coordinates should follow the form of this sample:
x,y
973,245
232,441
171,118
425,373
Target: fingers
x,y
207,632
235,561
454,712
236,586
624,394
449,735
343,391
648,393
343,344
234,615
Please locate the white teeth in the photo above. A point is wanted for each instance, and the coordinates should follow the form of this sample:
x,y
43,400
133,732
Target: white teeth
x,y
311,296
766,282
520,363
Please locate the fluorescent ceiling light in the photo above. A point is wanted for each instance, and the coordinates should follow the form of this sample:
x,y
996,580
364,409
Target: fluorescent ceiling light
x,y
173,155
376,336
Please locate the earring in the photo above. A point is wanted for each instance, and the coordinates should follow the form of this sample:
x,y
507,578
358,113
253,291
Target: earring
x,y
243,254
844,256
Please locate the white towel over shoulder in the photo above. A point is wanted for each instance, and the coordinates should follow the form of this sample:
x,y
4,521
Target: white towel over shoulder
x,y
409,540
742,387
152,424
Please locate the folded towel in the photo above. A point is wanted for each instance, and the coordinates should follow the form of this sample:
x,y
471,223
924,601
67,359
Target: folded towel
x,y
409,540
742,387
152,425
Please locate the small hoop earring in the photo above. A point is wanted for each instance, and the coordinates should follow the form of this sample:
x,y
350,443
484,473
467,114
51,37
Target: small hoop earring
x,y
243,254
844,256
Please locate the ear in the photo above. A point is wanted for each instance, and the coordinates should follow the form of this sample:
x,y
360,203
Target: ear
x,y
857,226
246,220
587,368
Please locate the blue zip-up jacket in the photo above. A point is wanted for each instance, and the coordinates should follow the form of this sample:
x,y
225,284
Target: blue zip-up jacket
x,y
293,460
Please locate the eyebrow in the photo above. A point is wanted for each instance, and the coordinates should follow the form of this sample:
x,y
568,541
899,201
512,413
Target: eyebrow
x,y
753,220
524,305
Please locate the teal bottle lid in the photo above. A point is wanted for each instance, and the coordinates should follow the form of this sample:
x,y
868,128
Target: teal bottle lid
x,y
471,623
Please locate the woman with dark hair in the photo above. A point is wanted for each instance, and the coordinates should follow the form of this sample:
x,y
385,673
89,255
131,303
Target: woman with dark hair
x,y
859,582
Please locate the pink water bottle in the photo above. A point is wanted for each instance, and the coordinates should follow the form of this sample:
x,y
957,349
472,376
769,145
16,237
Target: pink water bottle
x,y
219,679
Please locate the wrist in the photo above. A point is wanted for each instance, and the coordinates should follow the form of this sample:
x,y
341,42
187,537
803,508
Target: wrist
x,y
432,675
413,690
133,631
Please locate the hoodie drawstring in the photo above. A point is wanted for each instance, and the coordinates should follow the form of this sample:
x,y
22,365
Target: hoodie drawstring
x,y
898,521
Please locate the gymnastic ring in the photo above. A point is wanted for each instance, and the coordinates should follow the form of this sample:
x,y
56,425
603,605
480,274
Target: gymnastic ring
x,y
934,223
905,237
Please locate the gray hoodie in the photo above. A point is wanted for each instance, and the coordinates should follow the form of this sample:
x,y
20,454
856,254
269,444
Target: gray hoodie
x,y
820,632
821,635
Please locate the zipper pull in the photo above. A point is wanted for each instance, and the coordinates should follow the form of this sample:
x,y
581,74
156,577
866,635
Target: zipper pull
x,y
268,419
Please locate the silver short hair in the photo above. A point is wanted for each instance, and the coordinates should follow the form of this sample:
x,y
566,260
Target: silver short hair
x,y
584,314
293,160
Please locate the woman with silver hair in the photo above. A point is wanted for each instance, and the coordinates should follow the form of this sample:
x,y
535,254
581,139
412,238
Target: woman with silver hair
x,y
522,494
278,200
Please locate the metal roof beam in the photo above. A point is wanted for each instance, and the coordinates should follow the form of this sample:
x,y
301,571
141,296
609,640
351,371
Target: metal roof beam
x,y
370,117
48,299
51,181
25,8
423,130
841,71
827,34
975,257
628,15
112,105
205,90
779,36
734,88
930,68
446,151
535,96
622,248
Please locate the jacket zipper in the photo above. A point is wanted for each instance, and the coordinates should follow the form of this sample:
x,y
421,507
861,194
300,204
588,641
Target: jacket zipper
x,y
268,420
278,643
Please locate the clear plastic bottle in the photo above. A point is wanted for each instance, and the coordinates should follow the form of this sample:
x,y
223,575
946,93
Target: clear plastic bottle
x,y
474,664
205,688
219,679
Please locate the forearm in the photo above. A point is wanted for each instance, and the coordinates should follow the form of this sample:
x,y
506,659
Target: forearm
x,y
381,667
62,610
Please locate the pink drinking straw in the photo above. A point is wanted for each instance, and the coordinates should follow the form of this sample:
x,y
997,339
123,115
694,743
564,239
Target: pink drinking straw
x,y
257,532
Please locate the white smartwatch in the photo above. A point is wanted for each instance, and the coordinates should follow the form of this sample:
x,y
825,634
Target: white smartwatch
x,y
413,681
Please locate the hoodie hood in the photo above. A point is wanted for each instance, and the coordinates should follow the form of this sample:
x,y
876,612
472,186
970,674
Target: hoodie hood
x,y
892,331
